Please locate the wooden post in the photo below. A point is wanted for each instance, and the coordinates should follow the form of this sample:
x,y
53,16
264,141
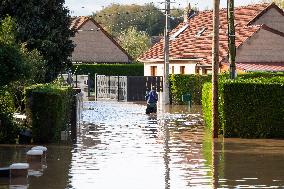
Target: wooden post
x,y
231,38
215,67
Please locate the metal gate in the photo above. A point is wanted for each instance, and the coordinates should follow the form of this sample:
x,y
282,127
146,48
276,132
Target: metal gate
x,y
137,86
127,88
111,87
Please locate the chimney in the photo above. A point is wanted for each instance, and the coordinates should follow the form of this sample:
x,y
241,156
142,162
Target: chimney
x,y
188,13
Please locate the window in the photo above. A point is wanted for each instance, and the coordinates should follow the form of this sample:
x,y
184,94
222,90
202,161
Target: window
x,y
173,70
153,70
182,70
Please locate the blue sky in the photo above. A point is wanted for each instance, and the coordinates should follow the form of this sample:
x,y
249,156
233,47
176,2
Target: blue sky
x,y
86,7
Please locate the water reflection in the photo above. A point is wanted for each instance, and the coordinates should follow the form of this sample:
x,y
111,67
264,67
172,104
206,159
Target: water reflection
x,y
120,147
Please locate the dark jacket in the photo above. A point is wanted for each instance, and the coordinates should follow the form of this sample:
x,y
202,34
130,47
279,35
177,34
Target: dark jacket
x,y
152,97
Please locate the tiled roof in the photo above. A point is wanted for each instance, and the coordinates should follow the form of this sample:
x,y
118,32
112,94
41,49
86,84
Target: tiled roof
x,y
187,45
265,66
77,22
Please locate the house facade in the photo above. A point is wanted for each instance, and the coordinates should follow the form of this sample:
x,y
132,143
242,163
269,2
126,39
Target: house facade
x,y
94,45
259,42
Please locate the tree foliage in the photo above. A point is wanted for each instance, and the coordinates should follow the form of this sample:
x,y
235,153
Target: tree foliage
x,y
134,42
148,18
280,3
11,60
43,25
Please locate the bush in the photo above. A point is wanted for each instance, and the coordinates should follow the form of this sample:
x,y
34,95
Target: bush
x,y
254,110
48,111
109,69
247,106
8,129
207,104
184,84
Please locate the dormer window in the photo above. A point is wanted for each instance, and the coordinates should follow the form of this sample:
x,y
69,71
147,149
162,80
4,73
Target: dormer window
x,y
176,34
200,32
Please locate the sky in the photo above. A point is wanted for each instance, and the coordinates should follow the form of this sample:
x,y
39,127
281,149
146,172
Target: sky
x,y
87,7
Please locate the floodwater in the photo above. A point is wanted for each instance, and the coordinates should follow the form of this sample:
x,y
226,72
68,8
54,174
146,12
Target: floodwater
x,y
120,147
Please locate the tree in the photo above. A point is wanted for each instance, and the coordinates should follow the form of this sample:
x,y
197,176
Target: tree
x,y
134,42
280,3
148,18
11,62
43,25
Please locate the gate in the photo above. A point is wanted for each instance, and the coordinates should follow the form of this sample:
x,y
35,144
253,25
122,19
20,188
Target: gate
x,y
127,88
137,86
111,87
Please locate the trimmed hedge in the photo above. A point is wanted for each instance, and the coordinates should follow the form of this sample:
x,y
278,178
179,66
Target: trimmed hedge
x,y
249,107
207,104
184,84
8,129
254,110
48,111
109,69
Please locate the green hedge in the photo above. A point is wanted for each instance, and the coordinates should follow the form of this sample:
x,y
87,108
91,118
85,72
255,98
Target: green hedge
x,y
207,104
8,129
48,111
254,110
184,84
250,106
109,69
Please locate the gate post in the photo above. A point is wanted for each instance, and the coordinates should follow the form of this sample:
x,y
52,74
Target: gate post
x,y
109,86
96,86
117,88
89,93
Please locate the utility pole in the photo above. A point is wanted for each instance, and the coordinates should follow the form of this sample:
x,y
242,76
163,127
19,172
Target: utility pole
x,y
166,99
215,66
231,38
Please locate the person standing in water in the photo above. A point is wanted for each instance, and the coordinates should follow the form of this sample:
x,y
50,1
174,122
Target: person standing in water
x,y
152,99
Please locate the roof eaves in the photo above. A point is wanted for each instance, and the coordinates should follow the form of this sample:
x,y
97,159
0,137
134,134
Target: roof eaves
x,y
111,38
265,27
272,5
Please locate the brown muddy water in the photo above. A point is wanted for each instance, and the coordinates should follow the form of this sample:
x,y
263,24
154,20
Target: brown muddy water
x,y
120,147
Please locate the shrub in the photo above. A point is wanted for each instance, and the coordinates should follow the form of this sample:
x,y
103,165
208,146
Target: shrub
x,y
184,84
207,104
48,111
253,110
109,69
252,106
8,129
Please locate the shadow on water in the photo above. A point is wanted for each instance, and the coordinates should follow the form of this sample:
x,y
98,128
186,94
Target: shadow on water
x,y
118,146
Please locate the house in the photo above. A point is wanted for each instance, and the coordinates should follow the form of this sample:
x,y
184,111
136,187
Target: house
x,y
259,42
94,44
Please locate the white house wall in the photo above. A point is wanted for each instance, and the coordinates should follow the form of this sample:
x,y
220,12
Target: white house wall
x,y
189,68
264,46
